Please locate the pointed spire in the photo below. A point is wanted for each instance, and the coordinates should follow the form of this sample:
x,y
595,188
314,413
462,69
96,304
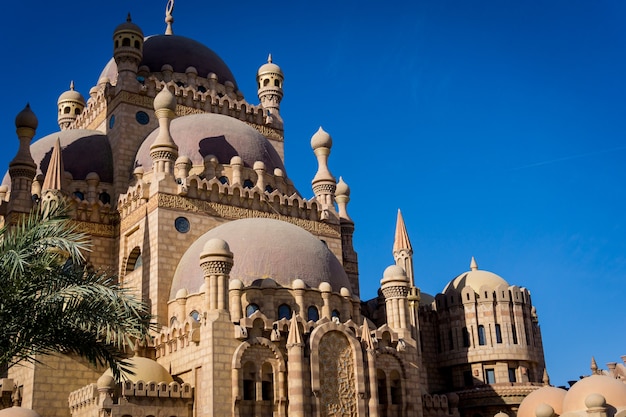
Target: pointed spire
x,y
269,58
54,175
473,264
169,19
594,366
295,337
401,241
546,378
366,336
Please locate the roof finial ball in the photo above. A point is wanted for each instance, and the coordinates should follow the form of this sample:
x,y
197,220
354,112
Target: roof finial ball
x,y
169,19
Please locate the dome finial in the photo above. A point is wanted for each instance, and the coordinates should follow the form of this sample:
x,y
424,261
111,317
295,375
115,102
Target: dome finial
x,y
473,264
128,19
269,58
594,366
546,377
169,19
72,85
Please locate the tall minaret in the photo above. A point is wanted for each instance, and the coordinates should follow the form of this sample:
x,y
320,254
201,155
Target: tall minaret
x,y
402,249
22,168
348,254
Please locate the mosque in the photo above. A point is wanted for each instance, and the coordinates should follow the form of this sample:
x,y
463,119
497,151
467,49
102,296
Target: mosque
x,y
181,185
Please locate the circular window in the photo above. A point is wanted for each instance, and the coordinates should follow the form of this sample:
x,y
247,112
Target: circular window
x,y
142,117
111,121
181,224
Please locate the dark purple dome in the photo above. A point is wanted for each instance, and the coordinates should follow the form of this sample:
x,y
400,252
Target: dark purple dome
x,y
181,53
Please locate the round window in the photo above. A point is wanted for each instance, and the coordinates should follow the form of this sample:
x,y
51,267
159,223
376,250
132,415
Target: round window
x,y
142,117
181,224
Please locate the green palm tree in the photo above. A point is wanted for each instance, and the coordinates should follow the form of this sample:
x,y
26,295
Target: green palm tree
x,y
51,301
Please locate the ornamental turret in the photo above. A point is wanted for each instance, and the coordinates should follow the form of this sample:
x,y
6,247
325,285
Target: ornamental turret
x,y
69,105
270,90
127,52
324,184
22,168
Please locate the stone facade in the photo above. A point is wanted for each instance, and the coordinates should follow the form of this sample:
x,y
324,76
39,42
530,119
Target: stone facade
x,y
255,289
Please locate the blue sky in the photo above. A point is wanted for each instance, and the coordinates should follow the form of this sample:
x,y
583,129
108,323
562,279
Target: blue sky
x,y
496,126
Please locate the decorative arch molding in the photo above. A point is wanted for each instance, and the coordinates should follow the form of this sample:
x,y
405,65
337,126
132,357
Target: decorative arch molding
x,y
262,341
356,368
393,352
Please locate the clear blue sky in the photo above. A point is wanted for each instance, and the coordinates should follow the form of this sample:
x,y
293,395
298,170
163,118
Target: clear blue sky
x,y
496,126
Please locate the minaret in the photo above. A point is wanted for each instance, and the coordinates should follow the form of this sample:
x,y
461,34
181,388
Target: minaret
x,y
22,168
164,151
324,184
270,90
128,53
70,105
402,249
348,254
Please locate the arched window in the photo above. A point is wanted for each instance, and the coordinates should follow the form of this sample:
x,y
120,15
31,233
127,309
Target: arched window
x,y
313,313
77,111
382,387
466,338
248,184
266,82
66,110
126,42
335,313
514,333
134,260
251,309
79,195
223,179
498,334
481,335
267,382
104,197
395,386
195,315
137,45
284,311
276,83
450,340
249,389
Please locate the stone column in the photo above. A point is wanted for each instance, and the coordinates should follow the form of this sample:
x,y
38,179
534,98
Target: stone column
x,y
216,261
295,357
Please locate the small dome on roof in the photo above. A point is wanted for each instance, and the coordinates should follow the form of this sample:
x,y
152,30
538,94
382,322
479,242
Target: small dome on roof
x,y
269,67
129,26
475,279
551,396
613,391
26,118
71,95
342,188
165,100
145,370
18,412
265,249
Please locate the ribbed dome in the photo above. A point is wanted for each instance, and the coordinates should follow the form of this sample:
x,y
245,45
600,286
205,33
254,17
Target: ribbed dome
x,y
181,53
475,279
551,396
199,135
265,248
144,370
84,151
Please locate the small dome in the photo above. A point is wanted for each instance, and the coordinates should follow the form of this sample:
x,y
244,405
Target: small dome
x,y
551,396
269,67
345,292
165,100
544,410
595,401
613,390
342,188
129,26
18,412
182,293
106,381
501,414
144,370
325,287
475,279
26,118
262,249
217,246
235,284
71,95
394,271
321,139
199,135
298,284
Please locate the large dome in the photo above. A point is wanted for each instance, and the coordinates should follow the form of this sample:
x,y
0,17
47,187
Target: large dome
x,y
181,53
144,369
199,135
265,248
613,391
83,151
551,396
